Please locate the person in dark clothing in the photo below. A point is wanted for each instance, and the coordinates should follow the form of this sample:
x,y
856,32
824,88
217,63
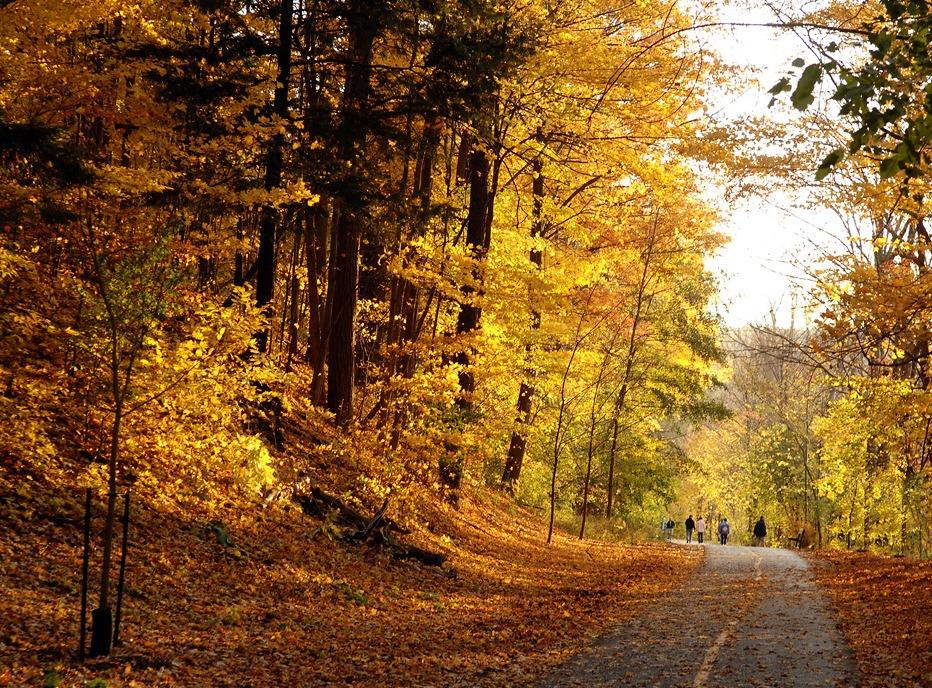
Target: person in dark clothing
x,y
690,526
760,532
723,531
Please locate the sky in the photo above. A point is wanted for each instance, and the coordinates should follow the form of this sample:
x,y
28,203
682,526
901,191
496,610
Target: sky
x,y
761,270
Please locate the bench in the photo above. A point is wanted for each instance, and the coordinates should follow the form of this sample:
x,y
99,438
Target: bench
x,y
797,539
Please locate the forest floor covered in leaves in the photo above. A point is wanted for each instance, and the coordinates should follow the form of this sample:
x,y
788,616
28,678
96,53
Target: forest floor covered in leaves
x,y
885,608
287,603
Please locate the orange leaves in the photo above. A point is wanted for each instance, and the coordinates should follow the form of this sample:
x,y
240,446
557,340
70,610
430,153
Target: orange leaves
x,y
302,610
884,607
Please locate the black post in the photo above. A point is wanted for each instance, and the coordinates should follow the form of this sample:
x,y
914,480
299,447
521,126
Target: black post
x,y
119,600
101,631
84,565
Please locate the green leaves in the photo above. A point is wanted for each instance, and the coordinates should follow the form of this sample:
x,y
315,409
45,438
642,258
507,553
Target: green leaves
x,y
802,96
51,679
829,163
780,87
889,167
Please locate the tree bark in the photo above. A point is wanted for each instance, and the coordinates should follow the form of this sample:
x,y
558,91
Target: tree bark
x,y
316,229
518,446
265,262
344,269
639,308
451,468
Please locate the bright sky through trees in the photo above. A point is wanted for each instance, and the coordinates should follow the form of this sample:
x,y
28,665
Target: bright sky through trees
x,y
772,238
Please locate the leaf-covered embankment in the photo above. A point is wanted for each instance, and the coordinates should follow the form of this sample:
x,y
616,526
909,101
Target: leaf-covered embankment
x,y
884,606
287,605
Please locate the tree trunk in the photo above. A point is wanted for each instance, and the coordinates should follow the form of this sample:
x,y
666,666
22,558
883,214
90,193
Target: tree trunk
x,y
558,434
341,356
516,449
315,238
642,303
470,311
611,468
589,455
344,269
102,617
451,470
265,262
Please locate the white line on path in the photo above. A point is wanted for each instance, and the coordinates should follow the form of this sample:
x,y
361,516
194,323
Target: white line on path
x,y
702,676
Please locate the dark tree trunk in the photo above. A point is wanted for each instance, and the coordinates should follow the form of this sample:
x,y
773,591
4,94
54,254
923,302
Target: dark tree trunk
x,y
293,303
611,468
341,356
315,238
102,617
476,230
265,262
518,445
362,23
477,218
239,267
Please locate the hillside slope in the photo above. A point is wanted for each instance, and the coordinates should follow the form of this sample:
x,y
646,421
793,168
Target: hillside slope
x,y
290,603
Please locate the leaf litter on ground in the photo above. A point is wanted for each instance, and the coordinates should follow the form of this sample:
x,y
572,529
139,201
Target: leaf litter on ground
x,y
885,607
300,609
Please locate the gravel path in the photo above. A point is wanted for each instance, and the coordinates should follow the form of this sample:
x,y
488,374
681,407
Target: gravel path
x,y
750,617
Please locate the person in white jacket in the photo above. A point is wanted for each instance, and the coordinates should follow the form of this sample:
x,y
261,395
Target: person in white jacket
x,y
700,529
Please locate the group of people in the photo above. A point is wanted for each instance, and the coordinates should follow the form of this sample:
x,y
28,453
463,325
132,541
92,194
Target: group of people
x,y
698,526
724,530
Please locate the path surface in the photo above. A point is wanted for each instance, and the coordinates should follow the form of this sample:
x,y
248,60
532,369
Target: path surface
x,y
750,617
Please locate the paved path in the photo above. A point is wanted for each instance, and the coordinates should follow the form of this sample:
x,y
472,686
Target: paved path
x,y
750,617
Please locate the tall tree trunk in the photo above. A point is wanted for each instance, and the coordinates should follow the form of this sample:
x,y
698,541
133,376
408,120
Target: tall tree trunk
x,y
265,262
470,311
102,617
516,449
593,421
467,322
611,467
578,339
642,304
362,23
316,229
293,302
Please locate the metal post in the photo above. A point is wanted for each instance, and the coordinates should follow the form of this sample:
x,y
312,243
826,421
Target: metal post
x,y
122,577
84,567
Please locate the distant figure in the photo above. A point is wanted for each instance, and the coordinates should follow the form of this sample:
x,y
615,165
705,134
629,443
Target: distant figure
x,y
760,532
670,526
690,526
663,529
700,529
723,530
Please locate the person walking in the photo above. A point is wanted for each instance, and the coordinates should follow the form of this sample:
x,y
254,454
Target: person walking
x,y
670,526
690,526
723,531
760,532
700,529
